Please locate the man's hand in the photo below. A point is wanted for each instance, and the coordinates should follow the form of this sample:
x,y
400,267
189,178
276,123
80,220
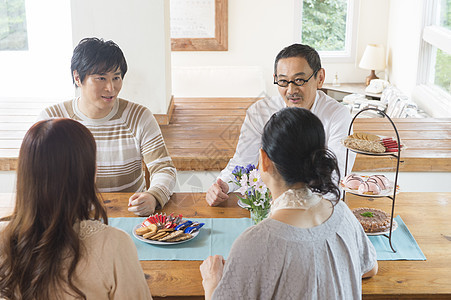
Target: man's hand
x,y
211,270
217,193
142,204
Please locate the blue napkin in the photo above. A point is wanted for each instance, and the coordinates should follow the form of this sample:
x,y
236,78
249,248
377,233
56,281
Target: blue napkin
x,y
402,240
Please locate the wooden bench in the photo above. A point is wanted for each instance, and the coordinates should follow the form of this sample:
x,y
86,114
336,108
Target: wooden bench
x,y
427,141
203,134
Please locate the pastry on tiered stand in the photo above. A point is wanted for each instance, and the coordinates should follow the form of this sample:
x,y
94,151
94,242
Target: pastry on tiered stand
x,y
371,143
364,142
352,181
372,185
373,220
380,180
369,188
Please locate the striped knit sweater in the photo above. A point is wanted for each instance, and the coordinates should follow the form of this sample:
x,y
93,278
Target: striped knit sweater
x,y
128,135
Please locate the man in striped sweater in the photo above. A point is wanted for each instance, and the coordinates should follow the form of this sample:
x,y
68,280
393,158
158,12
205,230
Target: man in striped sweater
x,y
126,133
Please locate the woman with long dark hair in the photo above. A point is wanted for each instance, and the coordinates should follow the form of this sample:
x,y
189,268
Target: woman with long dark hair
x,y
310,247
57,244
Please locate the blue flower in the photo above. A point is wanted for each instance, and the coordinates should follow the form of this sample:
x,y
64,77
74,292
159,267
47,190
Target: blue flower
x,y
238,171
249,168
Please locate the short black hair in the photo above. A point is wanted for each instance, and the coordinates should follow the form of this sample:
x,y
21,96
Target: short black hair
x,y
295,141
96,56
300,50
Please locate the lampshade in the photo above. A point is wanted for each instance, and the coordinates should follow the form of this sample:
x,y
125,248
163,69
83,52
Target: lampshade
x,y
373,58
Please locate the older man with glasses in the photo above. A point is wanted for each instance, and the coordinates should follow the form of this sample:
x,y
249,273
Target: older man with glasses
x,y
299,76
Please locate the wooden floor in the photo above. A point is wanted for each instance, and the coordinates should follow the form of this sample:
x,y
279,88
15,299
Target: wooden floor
x,y
203,134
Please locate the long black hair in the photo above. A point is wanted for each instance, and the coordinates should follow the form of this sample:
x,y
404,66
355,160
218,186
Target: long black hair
x,y
295,142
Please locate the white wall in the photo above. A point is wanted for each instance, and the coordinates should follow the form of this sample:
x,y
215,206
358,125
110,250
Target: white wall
x,y
259,29
141,29
404,43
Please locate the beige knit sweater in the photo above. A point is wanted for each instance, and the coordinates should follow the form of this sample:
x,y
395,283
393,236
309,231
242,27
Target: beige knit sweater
x,y
109,269
125,138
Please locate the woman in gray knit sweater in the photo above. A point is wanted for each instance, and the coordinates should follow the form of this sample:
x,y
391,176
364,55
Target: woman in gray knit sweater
x,y
309,247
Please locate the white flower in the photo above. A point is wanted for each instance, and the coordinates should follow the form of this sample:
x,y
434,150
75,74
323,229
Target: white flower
x,y
254,177
244,182
260,187
242,190
260,202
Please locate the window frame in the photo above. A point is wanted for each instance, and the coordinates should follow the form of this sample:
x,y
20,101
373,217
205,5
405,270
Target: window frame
x,y
352,21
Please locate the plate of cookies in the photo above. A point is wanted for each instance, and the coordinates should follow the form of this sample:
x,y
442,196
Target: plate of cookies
x,y
368,186
159,229
367,143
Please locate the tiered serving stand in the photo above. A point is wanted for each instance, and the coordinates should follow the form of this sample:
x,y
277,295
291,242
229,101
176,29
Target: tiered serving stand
x,y
396,155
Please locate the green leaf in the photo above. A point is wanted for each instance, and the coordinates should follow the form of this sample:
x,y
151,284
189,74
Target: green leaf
x,y
367,214
246,201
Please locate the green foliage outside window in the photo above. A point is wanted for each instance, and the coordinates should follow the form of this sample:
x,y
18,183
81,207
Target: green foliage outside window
x,y
13,25
445,14
443,70
324,24
443,59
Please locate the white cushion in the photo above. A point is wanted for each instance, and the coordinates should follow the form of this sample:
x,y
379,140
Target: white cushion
x,y
398,104
434,101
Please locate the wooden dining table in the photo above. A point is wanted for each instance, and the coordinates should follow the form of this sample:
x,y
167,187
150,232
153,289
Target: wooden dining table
x,y
427,216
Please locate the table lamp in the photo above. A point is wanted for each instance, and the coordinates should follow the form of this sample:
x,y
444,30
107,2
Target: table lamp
x,y
373,59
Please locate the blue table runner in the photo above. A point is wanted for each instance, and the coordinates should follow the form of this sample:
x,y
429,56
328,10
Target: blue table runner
x,y
215,237
402,240
218,235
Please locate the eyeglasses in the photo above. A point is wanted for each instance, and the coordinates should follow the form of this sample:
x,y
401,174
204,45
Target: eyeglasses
x,y
297,81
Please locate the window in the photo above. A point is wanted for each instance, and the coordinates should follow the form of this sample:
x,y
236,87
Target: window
x,y
433,90
443,59
329,26
445,14
45,55
442,72
13,25
435,59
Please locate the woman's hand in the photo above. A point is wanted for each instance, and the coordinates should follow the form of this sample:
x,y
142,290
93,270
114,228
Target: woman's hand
x,y
142,204
211,270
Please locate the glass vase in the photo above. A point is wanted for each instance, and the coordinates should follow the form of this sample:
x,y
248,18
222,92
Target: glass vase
x,y
259,215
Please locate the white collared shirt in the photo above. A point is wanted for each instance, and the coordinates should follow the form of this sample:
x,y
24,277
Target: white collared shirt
x,y
334,116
